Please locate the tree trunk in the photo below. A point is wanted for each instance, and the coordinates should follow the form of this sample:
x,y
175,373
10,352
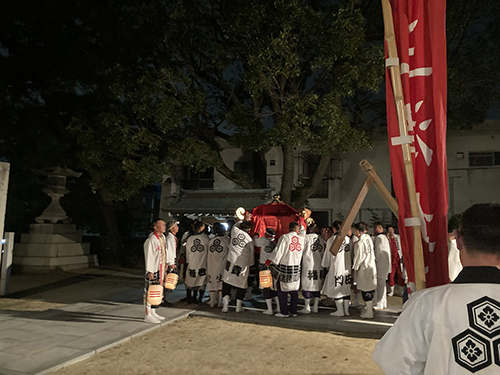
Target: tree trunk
x,y
319,174
259,168
288,173
114,241
238,178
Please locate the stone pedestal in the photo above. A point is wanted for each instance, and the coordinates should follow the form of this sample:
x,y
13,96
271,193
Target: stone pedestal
x,y
50,247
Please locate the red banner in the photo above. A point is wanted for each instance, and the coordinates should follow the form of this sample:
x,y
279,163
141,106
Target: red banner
x,y
419,26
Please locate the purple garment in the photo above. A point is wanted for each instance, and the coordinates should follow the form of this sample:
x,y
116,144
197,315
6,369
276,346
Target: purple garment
x,y
308,295
269,293
283,298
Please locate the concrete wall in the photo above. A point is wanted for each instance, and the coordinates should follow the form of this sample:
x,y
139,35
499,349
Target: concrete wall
x,y
229,155
470,185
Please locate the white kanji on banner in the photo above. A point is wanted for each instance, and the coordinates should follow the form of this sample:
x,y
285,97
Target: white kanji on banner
x,y
424,220
426,151
421,148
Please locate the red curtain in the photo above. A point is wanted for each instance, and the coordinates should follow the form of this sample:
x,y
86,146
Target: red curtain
x,y
273,215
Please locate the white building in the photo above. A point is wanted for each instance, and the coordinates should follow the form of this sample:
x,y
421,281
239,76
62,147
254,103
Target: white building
x,y
473,173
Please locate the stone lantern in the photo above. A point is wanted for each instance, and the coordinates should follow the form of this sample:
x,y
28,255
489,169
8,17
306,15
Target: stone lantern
x,y
53,242
56,189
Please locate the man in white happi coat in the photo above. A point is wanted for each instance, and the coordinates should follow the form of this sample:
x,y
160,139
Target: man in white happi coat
x,y
383,260
365,267
181,256
155,262
218,248
453,328
286,261
313,273
267,245
338,279
237,267
171,251
196,263
355,292
326,233
398,272
171,239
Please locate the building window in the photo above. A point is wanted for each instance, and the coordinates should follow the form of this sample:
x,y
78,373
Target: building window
x,y
272,163
196,180
321,218
484,159
322,191
244,168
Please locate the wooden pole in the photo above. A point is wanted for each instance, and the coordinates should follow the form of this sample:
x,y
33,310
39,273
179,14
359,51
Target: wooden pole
x,y
395,73
346,225
379,185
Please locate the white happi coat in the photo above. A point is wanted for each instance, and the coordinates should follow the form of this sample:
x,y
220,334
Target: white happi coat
x,y
239,258
449,329
364,264
382,250
313,274
267,248
196,258
171,249
287,259
218,248
338,279
155,255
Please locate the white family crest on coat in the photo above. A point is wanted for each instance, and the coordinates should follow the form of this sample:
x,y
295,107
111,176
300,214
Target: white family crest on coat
x,y
287,258
449,329
239,258
313,274
196,259
216,259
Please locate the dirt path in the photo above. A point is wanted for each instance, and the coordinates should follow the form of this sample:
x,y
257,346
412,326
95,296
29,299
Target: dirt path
x,y
212,346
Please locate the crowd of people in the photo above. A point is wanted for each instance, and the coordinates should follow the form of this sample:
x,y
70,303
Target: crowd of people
x,y
226,262
449,329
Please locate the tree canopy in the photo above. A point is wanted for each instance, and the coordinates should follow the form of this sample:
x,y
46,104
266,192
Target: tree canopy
x,y
276,73
473,60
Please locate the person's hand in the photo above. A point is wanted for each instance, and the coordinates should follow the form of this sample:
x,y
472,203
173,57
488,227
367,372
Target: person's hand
x,y
172,266
150,276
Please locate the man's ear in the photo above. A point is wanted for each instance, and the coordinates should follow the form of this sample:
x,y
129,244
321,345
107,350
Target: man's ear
x,y
458,237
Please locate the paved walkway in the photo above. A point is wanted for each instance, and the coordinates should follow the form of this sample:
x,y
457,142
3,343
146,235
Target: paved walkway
x,y
39,342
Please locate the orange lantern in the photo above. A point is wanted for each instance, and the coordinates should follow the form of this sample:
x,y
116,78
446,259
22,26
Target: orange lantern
x,y
155,294
266,279
171,281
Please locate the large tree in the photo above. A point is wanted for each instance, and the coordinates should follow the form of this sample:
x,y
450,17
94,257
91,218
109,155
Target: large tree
x,y
473,37
83,90
276,73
